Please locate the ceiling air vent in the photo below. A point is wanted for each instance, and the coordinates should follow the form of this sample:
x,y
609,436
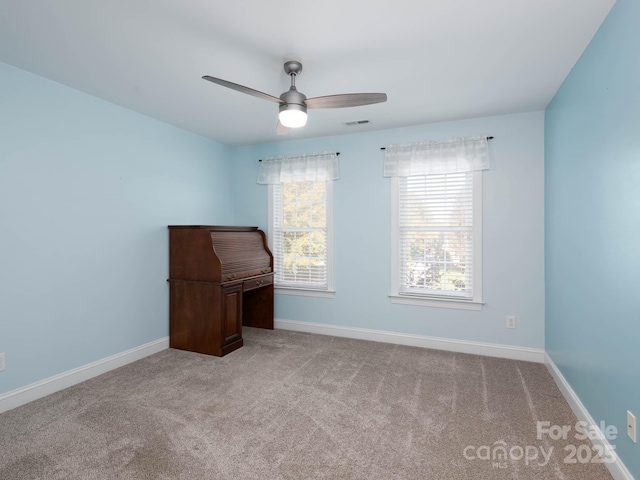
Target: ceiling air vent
x,y
356,122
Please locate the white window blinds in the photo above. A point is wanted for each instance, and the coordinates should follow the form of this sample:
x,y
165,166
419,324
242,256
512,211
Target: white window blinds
x,y
435,219
299,234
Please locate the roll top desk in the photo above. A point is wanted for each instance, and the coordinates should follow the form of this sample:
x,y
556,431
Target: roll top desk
x,y
220,278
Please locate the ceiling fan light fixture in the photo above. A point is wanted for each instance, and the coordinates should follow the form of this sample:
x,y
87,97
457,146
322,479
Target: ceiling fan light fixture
x,y
293,115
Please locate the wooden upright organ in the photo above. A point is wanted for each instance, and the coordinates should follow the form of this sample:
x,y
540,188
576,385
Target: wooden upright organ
x,y
220,278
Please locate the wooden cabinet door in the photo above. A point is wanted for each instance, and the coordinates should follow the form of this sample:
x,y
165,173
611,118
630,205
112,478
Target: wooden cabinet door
x,y
231,313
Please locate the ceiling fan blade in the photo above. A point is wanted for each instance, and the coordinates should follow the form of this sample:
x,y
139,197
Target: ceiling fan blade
x,y
242,88
281,129
346,100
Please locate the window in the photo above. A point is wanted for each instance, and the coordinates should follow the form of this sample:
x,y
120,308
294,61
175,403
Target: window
x,y
437,221
437,239
300,227
301,221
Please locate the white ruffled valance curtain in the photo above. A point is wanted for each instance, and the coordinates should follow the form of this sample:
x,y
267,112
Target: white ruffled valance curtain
x,y
453,155
299,168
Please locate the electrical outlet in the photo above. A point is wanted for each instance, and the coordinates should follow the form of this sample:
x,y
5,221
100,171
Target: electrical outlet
x,y
511,321
631,426
1,362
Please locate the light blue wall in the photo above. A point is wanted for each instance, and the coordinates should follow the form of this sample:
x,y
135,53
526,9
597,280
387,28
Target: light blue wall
x,y
513,232
86,191
592,214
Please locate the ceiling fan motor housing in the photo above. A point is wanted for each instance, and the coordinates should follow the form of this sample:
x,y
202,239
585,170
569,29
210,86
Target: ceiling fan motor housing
x,y
292,99
293,109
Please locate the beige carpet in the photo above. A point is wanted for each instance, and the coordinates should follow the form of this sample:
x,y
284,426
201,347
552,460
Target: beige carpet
x,y
297,406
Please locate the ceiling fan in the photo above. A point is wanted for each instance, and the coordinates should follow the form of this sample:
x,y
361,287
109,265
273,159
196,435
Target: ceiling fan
x,y
294,104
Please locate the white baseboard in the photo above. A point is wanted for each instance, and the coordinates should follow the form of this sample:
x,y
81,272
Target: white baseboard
x,y
29,393
451,345
617,469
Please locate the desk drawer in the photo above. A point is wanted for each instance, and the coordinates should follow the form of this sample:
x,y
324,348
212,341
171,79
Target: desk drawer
x,y
257,282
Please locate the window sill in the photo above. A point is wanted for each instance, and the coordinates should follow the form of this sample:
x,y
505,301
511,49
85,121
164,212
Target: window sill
x,y
437,302
303,292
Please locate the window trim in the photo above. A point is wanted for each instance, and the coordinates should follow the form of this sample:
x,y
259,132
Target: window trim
x,y
440,301
329,292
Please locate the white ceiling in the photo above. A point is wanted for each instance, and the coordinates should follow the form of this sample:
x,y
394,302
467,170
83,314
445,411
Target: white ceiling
x,y
437,60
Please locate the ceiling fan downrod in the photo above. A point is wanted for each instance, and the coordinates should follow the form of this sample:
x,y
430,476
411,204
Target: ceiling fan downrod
x,y
293,109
